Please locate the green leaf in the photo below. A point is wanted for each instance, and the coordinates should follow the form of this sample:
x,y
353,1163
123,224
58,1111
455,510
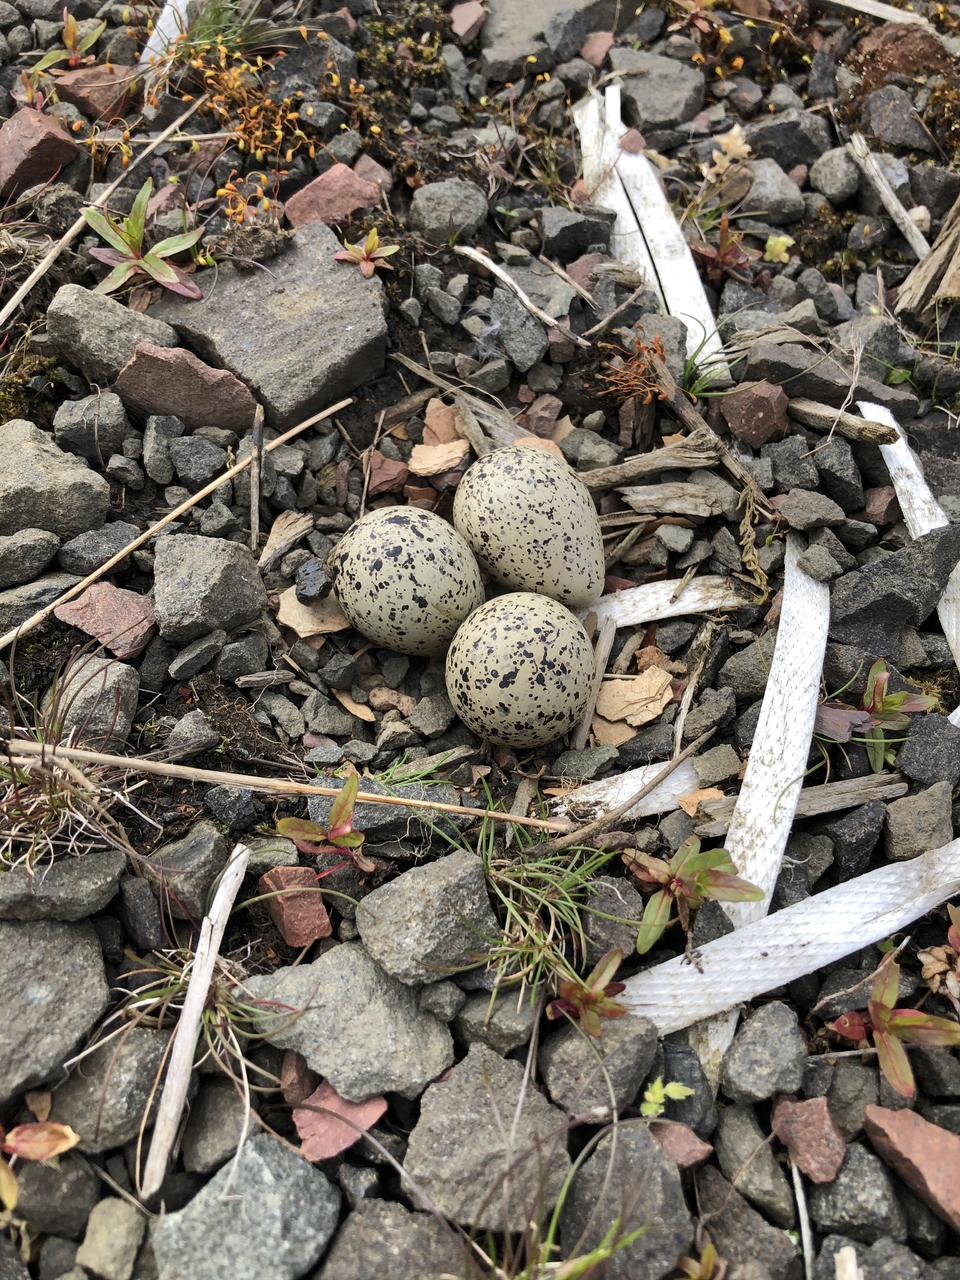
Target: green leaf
x,y
682,859
897,376
677,1091
916,1027
726,888
300,829
177,244
118,277
875,745
894,1063
137,221
49,60
604,970
107,229
92,38
341,811
656,917
886,985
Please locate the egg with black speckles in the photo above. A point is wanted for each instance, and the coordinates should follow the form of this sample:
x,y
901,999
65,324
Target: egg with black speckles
x,y
406,579
532,524
519,670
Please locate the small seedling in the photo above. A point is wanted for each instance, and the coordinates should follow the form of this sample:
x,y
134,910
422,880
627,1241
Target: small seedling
x,y
369,255
75,47
685,881
339,837
727,257
777,248
892,1028
128,256
707,1267
878,711
655,1096
941,965
30,1142
591,999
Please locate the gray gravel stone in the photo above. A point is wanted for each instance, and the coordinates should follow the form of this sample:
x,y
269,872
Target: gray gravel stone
x,y
268,1218
681,1063
97,698
160,432
746,672
113,1236
916,824
326,324
803,509
98,334
773,195
861,1202
938,1071
614,897
432,715
835,175
883,1260
413,1245
88,551
25,554
767,1056
57,1257
459,1149
57,1199
41,487
791,137
105,1098
657,92
197,655
204,584
742,1235
267,852
931,752
196,461
182,872
72,889
443,999
741,1144
430,921
855,837
360,1028
94,427
140,914
887,114
572,1070
644,1190
503,1023
383,821
213,1130
521,334
442,209
192,732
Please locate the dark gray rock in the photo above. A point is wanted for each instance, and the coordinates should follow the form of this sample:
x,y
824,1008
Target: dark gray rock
x,y
431,921
680,1063
855,837
140,914
861,1202
267,852
819,564
25,554
197,655
196,461
182,872
812,284
441,210
416,1245
767,1056
41,487
854,1085
69,890
521,334
657,92
839,474
741,1235
106,1096
835,175
311,304
192,733
214,1128
94,427
872,607
445,1000
360,1028
644,1190
709,923
947,1117
715,709
502,1022
432,716
938,1071
57,1198
389,822
242,657
269,1217
746,672
160,432
803,509
235,807
88,551
742,1150
99,335
934,187
460,1150
20,603
888,115
57,1257
11,1266
96,698
204,584
931,752
793,466
792,137
916,824
611,917
883,1260
580,1072
773,195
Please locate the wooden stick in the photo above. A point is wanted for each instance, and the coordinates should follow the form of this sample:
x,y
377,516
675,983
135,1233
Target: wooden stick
x,y
813,801
68,237
44,613
585,294
700,449
859,151
503,275
824,418
918,289
273,786
601,654
256,458
607,321
188,1027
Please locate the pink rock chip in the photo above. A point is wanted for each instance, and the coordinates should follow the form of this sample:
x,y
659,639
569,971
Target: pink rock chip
x,y
387,475
325,1135
331,198
757,414
543,414
581,267
32,148
880,506
123,621
98,91
680,1143
301,917
297,1081
367,169
596,48
925,1156
809,1133
467,19
173,380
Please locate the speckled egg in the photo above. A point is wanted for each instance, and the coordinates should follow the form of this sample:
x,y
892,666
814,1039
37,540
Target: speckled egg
x,y
406,579
532,524
519,670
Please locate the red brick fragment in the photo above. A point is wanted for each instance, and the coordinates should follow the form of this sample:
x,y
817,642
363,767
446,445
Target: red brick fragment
x,y
172,380
123,621
301,917
99,91
297,1081
880,506
598,45
757,414
680,1143
387,475
331,198
925,1156
32,148
367,169
809,1133
467,19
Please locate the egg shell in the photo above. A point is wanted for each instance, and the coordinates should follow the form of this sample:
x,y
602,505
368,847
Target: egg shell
x,y
519,670
532,525
406,579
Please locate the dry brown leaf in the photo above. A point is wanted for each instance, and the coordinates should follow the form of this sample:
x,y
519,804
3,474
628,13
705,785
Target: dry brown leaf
x,y
434,459
608,734
311,619
285,532
691,802
637,701
355,708
651,656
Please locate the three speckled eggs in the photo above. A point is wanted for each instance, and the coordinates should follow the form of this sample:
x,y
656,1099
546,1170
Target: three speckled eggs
x,y
519,667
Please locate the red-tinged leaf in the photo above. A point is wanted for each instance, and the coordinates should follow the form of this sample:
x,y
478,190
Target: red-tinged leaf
x,y
325,1135
108,230
681,860
611,1008
307,846
349,255
349,839
649,870
711,860
300,829
364,864
726,888
895,1064
953,933
367,268
8,1187
886,985
852,1026
559,1008
590,1021
601,975
656,917
877,680
118,277
341,811
916,1027
916,702
40,1141
112,257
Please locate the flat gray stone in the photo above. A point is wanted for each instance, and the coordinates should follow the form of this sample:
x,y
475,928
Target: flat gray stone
x,y
57,1199
611,917
459,1149
521,335
570,1062
72,889
416,1245
861,1202
41,487
657,92
742,1235
94,427
767,1056
112,1238
54,990
204,584
360,1028
25,554
97,697
917,824
773,195
213,1130
267,852
88,551
382,821
326,325
742,1150
99,335
515,29
431,921
835,175
270,1217
502,1022
182,872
